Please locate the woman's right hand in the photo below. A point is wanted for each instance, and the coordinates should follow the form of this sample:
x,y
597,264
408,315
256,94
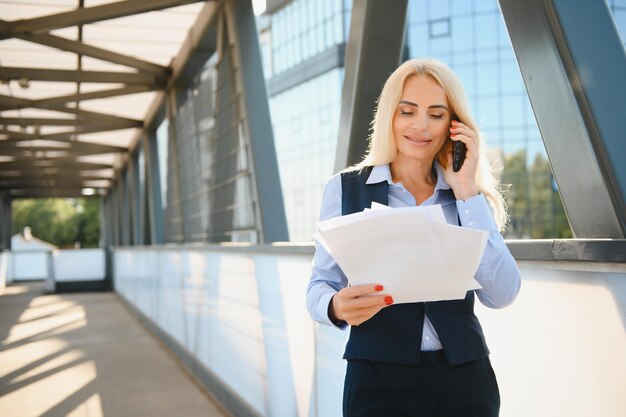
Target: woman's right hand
x,y
358,304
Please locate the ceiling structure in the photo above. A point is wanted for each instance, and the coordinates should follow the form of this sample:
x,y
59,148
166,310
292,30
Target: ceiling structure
x,y
77,79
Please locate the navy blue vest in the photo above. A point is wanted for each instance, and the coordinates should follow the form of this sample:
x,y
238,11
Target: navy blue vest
x,y
394,334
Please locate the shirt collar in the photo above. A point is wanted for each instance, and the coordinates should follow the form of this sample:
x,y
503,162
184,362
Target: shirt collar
x,y
382,173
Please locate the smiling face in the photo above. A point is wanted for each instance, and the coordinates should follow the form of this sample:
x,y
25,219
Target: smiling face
x,y
422,118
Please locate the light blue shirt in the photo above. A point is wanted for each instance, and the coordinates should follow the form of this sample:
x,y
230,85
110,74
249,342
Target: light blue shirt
x,y
497,273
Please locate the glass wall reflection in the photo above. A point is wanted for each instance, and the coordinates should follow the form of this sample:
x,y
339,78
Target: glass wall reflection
x,y
618,9
305,116
471,37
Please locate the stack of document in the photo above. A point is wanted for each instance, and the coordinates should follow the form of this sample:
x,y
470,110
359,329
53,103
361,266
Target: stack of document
x,y
411,251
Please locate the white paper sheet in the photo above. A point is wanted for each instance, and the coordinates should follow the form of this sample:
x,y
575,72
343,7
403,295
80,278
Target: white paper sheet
x,y
411,251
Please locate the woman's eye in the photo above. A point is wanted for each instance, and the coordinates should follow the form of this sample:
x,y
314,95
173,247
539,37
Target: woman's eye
x,y
437,116
403,112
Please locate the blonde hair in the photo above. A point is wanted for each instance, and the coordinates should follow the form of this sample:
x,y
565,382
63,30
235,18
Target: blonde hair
x,y
382,144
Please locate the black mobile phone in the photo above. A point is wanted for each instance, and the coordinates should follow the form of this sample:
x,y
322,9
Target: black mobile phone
x,y
458,155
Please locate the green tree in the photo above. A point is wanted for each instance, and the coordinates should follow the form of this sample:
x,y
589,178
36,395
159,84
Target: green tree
x,y
62,222
549,219
534,204
89,224
516,195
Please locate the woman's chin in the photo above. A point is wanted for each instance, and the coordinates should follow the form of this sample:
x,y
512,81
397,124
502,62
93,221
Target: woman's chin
x,y
417,156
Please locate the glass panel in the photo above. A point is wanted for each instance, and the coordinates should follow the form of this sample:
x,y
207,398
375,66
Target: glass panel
x,y
305,121
210,162
438,9
486,33
304,28
480,52
305,118
460,27
618,9
186,133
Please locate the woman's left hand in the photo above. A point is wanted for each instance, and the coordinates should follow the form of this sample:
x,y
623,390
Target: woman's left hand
x,y
463,182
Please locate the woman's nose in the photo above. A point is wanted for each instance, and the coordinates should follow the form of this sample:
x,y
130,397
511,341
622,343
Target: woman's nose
x,y
419,123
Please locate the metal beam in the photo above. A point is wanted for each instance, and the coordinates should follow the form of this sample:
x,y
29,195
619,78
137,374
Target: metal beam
x,y
106,230
93,116
258,124
94,52
602,90
272,6
13,135
43,121
37,121
125,207
80,130
60,136
578,102
56,75
136,201
59,178
85,148
68,192
62,165
93,95
24,185
153,186
117,210
83,16
5,221
106,233
41,161
197,47
373,52
67,145
52,153
13,103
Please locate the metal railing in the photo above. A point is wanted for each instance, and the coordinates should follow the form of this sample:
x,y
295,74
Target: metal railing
x,y
236,315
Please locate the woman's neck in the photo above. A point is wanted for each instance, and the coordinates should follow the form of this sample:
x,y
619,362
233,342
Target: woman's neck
x,y
415,176
411,171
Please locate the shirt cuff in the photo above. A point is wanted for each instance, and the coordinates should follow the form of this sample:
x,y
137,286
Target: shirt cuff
x,y
476,214
324,308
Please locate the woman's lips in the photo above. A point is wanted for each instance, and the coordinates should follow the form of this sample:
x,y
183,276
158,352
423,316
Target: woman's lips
x,y
418,140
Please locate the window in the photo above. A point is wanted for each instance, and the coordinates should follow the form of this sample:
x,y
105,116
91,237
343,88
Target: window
x,y
439,28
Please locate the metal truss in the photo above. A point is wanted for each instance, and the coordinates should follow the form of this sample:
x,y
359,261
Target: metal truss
x,y
24,149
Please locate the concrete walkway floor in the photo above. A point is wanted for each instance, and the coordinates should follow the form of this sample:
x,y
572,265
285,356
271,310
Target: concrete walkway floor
x,y
85,355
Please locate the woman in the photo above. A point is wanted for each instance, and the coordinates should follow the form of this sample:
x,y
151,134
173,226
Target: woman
x,y
417,359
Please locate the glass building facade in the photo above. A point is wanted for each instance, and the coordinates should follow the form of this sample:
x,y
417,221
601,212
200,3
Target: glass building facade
x,y
305,112
471,37
618,9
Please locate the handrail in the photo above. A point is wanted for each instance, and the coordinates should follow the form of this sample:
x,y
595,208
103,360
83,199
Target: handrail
x,y
573,250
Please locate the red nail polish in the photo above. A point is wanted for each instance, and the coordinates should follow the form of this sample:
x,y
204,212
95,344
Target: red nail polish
x,y
379,288
453,135
388,300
